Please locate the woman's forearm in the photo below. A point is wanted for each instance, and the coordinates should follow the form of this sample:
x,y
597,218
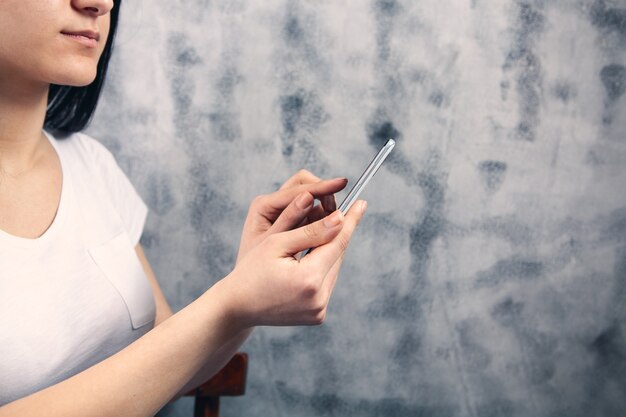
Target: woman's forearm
x,y
215,362
140,379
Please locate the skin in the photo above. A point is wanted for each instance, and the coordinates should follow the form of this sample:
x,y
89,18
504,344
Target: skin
x,y
268,286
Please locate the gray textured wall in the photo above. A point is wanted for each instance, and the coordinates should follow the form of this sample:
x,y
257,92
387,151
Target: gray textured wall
x,y
489,275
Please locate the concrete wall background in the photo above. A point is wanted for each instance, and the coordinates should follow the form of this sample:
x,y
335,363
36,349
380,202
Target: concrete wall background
x,y
489,275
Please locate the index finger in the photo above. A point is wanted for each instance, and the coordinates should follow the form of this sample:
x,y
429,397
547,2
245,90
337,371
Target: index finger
x,y
276,202
301,177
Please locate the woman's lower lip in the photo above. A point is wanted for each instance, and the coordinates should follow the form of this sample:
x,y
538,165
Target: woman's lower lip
x,y
84,40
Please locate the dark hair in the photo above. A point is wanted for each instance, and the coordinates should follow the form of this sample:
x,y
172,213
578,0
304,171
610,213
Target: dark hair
x,y
70,108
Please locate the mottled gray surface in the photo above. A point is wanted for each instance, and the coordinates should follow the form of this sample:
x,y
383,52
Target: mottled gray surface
x,y
489,275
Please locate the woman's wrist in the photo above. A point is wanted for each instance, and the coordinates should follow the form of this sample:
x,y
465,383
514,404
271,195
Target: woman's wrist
x,y
222,296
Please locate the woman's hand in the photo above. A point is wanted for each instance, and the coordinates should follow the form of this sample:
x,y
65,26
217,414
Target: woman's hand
x,y
270,286
289,207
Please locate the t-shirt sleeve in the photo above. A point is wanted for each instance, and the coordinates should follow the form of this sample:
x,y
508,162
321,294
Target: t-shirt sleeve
x,y
126,201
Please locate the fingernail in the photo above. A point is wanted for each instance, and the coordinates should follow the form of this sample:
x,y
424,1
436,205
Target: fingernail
x,y
333,203
333,220
363,206
340,179
304,201
330,203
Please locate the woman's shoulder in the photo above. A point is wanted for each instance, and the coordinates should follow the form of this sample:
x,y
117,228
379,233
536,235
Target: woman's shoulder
x,y
83,150
82,145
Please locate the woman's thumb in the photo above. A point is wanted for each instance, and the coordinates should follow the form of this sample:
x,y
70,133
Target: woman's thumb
x,y
311,235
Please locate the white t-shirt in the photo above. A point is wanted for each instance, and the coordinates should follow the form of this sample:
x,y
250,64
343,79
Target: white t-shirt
x,y
77,294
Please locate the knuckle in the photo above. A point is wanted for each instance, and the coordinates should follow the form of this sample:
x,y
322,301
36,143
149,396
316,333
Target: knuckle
x,y
320,317
292,211
311,231
320,302
303,173
258,201
343,241
310,290
271,240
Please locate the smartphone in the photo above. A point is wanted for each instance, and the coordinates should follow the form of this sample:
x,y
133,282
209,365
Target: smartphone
x,y
365,178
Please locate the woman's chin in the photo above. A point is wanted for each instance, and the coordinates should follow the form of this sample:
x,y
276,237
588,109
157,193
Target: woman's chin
x,y
76,78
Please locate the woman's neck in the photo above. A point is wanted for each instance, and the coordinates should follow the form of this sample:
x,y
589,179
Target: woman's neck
x,y
22,114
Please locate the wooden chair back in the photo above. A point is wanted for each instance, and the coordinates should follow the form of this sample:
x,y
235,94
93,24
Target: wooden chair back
x,y
230,381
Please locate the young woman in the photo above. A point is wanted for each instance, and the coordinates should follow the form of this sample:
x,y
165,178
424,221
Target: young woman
x,y
84,327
